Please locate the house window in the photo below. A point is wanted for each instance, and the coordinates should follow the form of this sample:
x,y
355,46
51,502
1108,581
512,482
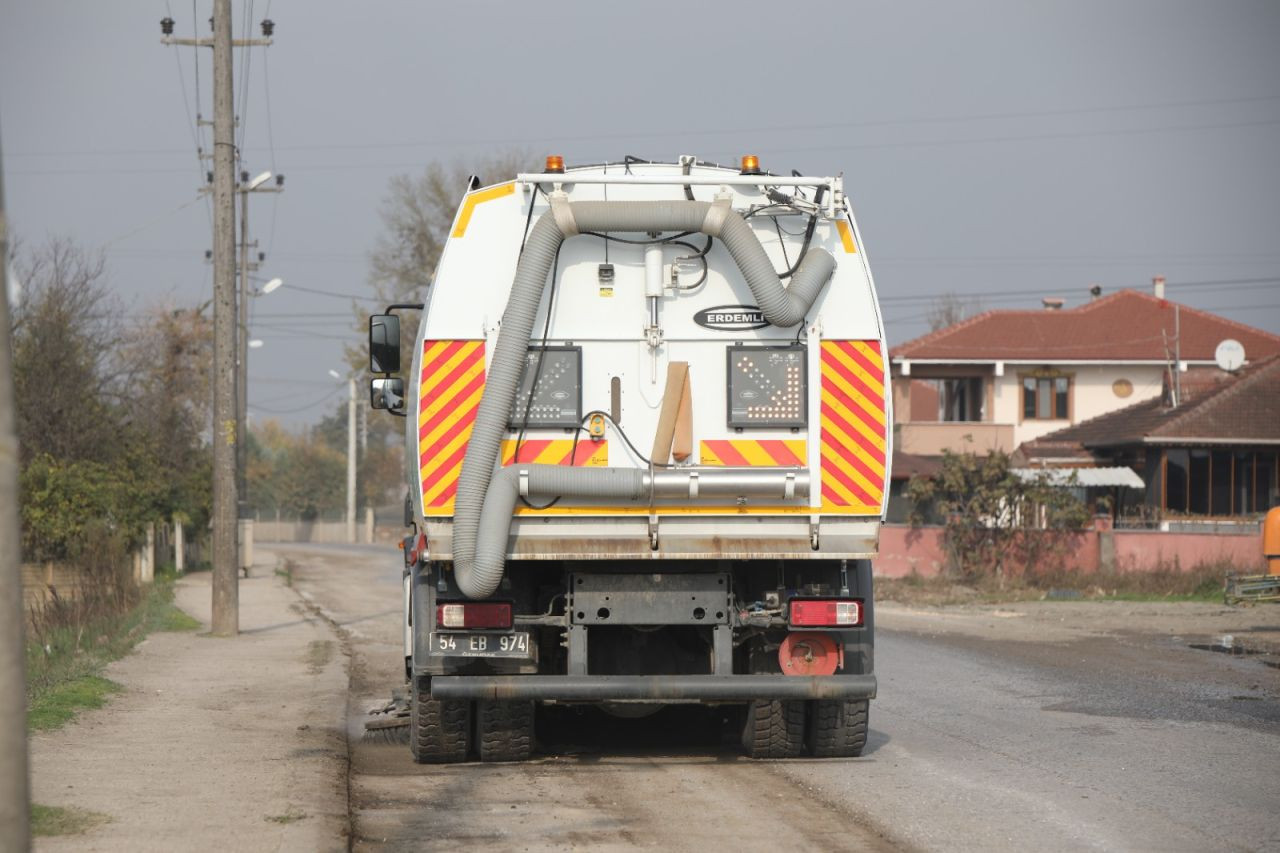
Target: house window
x,y
960,399
1175,480
1046,397
1203,482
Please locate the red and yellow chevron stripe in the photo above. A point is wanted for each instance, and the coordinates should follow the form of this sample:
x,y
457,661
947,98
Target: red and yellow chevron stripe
x,y
754,452
853,427
452,382
558,451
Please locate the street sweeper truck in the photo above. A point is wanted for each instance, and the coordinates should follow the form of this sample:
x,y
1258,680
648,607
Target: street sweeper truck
x,y
647,423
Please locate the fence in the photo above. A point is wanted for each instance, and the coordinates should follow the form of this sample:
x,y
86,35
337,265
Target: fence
x,y
166,544
904,550
373,529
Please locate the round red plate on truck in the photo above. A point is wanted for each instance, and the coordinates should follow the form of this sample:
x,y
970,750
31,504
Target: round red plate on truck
x,y
810,653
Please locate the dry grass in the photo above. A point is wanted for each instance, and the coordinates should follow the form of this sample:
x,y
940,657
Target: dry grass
x,y
72,640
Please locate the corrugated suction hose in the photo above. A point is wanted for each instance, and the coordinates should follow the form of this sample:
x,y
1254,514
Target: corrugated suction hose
x,y
485,500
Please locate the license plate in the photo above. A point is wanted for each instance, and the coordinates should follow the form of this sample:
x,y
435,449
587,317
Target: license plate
x,y
467,645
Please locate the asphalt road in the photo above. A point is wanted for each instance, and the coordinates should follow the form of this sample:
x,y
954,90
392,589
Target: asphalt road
x,y
1047,741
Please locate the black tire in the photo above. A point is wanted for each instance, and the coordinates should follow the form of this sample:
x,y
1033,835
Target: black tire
x,y
439,730
774,729
504,730
837,727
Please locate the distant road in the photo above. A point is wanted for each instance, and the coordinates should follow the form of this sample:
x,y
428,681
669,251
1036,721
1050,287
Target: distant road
x,y
1045,738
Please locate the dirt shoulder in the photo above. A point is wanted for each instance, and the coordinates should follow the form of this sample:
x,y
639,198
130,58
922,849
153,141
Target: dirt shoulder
x,y
234,744
1056,621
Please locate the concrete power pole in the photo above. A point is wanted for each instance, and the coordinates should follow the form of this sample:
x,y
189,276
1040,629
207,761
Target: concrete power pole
x,y
242,355
351,461
247,265
227,432
14,791
226,558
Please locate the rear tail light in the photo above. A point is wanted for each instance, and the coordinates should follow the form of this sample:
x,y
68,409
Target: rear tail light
x,y
488,615
826,613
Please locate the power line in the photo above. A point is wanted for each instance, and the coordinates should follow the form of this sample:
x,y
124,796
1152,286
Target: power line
x,y
1218,284
271,139
246,55
333,293
161,218
786,151
310,405
789,128
192,126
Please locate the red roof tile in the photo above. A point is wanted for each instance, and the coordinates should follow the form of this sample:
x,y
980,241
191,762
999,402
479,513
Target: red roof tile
x,y
1244,408
1125,326
908,465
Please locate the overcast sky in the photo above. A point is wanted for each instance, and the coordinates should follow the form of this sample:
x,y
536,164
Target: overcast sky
x,y
1012,150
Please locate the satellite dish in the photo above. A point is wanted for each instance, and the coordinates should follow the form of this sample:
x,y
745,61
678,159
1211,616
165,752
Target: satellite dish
x,y
1229,355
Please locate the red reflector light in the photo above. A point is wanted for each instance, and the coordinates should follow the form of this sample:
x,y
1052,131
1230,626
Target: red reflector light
x,y
473,615
826,613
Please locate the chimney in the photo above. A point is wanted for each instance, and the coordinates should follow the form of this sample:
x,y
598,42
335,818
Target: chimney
x,y
1053,303
1157,286
1095,291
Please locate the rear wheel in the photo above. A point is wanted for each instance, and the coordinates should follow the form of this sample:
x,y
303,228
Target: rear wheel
x,y
837,727
504,730
439,729
774,729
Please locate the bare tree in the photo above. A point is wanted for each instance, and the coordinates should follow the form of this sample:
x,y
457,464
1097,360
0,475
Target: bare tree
x,y
417,214
951,308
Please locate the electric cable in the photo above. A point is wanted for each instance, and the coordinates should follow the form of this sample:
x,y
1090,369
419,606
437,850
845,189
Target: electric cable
x,y
528,219
192,126
649,242
333,293
699,254
271,139
246,14
623,435
310,405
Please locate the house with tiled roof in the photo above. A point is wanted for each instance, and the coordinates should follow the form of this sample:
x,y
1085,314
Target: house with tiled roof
x,y
1212,451
1003,378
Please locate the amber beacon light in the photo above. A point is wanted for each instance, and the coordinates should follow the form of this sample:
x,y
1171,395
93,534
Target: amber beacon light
x,y
750,164
555,163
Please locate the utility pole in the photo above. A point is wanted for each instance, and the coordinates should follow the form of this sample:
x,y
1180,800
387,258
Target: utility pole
x,y
247,265
226,557
14,785
351,460
242,354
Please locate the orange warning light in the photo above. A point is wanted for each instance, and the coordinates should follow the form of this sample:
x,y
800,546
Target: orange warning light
x,y
750,164
555,163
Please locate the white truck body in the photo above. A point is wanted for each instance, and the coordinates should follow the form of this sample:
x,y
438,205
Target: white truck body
x,y
845,444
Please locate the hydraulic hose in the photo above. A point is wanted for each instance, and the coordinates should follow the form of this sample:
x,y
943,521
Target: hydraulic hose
x,y
484,503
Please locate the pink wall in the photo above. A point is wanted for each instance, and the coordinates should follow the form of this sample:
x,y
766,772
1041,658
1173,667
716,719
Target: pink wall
x,y
1141,549
903,550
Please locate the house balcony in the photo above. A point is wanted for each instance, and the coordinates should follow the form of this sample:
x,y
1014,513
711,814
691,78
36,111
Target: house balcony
x,y
930,438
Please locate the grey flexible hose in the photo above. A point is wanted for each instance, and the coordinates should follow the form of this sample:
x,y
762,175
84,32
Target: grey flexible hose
x,y
544,481
484,504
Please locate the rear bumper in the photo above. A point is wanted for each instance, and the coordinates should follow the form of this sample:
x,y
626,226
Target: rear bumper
x,y
652,688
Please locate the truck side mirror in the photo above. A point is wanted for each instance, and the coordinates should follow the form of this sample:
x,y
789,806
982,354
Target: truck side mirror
x,y
384,344
387,394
